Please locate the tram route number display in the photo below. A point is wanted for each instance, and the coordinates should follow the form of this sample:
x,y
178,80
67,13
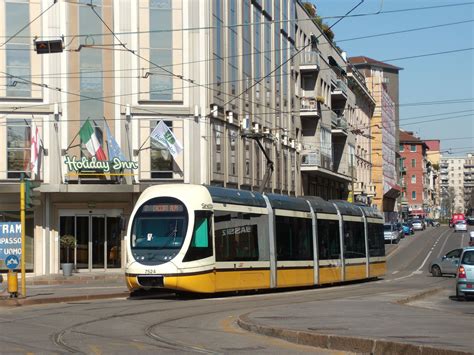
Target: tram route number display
x,y
10,239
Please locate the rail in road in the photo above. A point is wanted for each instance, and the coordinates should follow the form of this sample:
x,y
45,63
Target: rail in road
x,y
170,324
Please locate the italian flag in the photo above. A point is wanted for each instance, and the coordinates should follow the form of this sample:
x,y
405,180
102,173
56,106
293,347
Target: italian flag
x,y
89,138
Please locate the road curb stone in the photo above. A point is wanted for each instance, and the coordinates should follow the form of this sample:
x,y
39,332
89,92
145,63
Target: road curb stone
x,y
18,302
344,343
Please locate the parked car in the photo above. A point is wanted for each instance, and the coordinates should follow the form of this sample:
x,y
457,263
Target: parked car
x,y
407,228
460,226
447,264
465,274
399,227
470,220
471,238
418,225
391,233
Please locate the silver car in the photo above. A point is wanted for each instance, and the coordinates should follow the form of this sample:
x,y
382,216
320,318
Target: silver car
x,y
418,225
460,226
465,275
447,264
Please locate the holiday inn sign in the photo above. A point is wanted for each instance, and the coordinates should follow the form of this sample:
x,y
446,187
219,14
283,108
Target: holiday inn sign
x,y
106,166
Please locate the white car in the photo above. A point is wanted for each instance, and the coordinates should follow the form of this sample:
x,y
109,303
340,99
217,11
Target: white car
x,y
460,226
418,225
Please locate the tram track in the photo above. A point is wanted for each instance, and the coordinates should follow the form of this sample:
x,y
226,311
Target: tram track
x,y
164,343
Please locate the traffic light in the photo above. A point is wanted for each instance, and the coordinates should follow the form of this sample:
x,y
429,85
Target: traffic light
x,y
32,197
47,47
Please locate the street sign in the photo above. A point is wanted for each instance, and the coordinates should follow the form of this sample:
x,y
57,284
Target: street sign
x,y
10,239
12,262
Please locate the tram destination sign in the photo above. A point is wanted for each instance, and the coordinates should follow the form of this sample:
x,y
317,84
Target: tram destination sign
x,y
77,165
10,239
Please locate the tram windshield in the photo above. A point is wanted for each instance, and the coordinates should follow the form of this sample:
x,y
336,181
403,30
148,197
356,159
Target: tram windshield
x,y
158,230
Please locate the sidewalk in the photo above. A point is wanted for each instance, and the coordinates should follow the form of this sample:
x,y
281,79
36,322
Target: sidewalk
x,y
57,288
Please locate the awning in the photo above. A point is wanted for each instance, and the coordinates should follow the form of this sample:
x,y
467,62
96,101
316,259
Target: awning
x,y
393,191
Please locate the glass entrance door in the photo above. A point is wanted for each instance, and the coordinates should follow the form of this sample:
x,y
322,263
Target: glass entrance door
x,y
98,241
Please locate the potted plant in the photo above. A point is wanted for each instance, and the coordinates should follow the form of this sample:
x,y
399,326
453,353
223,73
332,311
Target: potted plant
x,y
320,99
67,241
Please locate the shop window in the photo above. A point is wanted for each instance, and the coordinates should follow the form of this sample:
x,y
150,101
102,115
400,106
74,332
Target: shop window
x,y
328,239
294,240
161,160
18,147
241,236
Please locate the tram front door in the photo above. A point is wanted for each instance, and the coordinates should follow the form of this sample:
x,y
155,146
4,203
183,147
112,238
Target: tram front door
x,y
98,241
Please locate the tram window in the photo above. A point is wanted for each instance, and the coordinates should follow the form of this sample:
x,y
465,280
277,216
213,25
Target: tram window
x,y
328,239
201,245
354,240
241,236
376,239
294,238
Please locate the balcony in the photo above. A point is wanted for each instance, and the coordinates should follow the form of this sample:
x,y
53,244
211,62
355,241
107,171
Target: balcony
x,y
468,165
340,91
358,187
315,159
444,171
444,165
371,190
309,61
339,125
310,107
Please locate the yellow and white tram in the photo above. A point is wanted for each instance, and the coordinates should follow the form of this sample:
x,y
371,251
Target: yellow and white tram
x,y
210,239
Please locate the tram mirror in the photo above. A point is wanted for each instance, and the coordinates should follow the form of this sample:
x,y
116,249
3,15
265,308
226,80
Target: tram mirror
x,y
123,223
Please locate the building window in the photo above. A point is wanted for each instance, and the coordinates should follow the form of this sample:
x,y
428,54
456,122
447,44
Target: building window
x,y
218,150
18,147
161,161
412,147
413,195
18,52
413,163
401,147
413,179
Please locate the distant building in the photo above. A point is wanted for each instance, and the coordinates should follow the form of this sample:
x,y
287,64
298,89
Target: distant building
x,y
434,156
469,184
382,81
414,165
452,184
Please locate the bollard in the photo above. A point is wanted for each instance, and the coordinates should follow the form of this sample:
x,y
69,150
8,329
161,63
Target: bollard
x,y
13,283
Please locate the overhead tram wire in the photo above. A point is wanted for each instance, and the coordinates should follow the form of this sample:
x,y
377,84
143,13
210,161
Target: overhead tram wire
x,y
288,60
252,23
28,24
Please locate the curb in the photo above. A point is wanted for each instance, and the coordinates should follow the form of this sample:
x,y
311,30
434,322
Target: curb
x,y
18,302
420,295
343,343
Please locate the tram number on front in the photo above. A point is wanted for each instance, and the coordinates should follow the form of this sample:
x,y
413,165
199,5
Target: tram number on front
x,y
150,271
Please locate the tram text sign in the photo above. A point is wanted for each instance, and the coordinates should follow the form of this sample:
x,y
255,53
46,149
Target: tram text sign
x,y
10,239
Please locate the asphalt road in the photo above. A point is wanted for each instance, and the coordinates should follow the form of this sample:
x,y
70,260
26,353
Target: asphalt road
x,y
169,324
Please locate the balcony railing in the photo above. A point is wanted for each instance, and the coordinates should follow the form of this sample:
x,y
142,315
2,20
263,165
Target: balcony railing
x,y
338,122
309,107
340,91
309,60
316,159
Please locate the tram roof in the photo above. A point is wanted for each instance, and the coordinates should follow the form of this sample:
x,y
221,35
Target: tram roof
x,y
347,208
371,212
236,197
284,202
320,205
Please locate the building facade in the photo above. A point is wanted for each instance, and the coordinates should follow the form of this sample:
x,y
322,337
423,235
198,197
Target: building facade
x,y
452,185
382,81
364,189
230,79
433,156
413,152
469,184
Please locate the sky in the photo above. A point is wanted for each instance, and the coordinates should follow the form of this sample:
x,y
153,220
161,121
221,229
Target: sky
x,y
431,79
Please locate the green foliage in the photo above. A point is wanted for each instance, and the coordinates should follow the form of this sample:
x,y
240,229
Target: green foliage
x,y
310,9
67,241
